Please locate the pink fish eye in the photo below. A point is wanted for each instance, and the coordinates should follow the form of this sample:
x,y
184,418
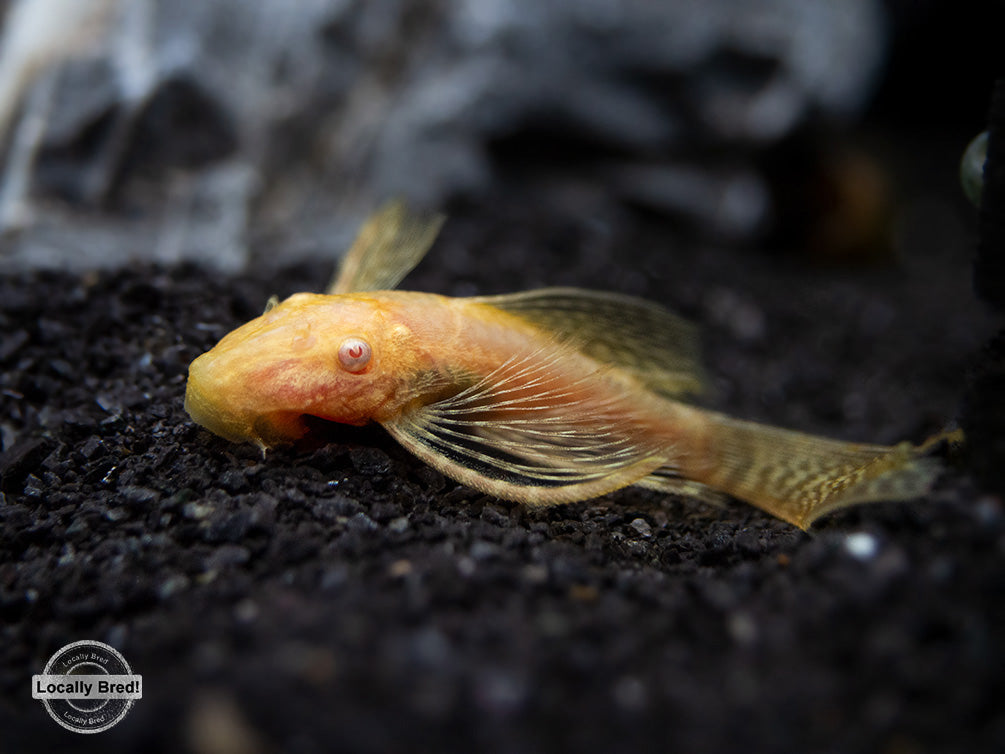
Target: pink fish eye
x,y
354,354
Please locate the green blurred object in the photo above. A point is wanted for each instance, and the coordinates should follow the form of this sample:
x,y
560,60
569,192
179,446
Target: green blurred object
x,y
972,168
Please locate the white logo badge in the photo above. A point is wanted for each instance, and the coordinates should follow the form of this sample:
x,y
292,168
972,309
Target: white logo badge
x,y
87,687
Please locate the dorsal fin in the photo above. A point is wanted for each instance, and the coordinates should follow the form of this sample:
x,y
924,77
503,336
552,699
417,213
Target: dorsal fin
x,y
655,346
389,244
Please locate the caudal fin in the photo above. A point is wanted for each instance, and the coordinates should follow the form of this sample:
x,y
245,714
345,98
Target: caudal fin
x,y
799,477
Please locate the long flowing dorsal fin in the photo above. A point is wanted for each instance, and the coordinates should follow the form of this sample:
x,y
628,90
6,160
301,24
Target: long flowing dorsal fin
x,y
528,432
388,246
657,347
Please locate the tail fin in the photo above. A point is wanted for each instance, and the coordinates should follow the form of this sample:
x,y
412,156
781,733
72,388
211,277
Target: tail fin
x,y
799,477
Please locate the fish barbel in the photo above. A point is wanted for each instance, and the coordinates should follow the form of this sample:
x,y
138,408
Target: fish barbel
x,y
542,397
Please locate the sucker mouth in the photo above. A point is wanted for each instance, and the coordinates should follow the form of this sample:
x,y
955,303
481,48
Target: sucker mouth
x,y
278,428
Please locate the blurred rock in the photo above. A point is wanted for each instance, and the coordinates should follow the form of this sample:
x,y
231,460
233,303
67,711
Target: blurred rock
x,y
983,416
216,129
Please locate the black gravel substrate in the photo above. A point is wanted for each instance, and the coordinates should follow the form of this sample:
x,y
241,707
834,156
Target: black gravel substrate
x,y
343,597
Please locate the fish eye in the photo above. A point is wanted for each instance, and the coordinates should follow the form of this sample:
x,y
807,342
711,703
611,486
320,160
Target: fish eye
x,y
354,354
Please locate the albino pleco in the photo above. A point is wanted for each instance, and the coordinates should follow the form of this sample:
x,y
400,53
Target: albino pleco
x,y
541,397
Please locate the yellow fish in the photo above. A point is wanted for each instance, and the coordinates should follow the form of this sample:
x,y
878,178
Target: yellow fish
x,y
542,397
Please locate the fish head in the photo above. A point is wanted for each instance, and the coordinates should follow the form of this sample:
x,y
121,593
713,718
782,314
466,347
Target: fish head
x,y
310,355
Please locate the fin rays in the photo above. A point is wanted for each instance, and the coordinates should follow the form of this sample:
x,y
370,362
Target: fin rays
x,y
388,246
799,477
634,335
527,432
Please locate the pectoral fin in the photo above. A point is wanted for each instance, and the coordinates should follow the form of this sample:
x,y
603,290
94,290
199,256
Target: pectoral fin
x,y
654,345
388,246
527,433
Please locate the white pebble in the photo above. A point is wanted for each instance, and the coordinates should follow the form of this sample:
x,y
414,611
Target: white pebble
x,y
861,545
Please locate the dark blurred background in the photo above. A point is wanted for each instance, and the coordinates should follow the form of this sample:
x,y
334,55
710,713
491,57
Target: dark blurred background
x,y
229,132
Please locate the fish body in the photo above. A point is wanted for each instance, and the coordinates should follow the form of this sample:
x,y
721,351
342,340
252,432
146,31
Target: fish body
x,y
542,397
